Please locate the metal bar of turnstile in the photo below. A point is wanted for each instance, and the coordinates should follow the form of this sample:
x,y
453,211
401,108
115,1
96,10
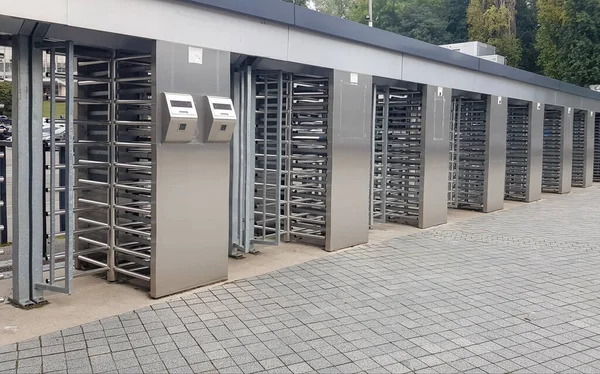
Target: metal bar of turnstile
x,y
596,177
517,152
579,151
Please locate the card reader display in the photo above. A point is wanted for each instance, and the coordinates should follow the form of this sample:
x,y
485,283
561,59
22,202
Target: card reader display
x,y
180,117
220,119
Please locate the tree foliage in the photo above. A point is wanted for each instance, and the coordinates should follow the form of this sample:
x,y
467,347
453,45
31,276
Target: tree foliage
x,y
527,24
492,22
6,98
551,18
298,2
432,21
568,40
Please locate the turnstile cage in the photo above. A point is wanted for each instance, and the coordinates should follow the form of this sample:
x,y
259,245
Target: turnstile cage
x,y
92,160
467,153
271,108
517,152
597,148
113,163
397,155
551,160
280,150
306,154
579,119
132,165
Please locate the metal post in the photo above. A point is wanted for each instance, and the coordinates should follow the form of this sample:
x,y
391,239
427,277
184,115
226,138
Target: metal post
x,y
370,13
111,275
21,172
70,173
3,202
384,154
37,170
52,238
372,185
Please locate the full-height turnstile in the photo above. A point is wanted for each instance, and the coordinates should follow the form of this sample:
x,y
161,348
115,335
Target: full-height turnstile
x,y
113,159
553,145
467,153
597,148
97,177
517,152
579,150
396,170
279,159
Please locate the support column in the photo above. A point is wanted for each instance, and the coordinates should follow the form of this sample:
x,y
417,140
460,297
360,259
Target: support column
x,y
535,151
566,153
20,171
28,171
349,162
495,160
588,161
434,156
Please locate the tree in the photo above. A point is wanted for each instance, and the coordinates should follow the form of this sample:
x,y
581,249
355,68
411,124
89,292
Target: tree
x,y
426,20
551,18
578,50
6,98
338,8
527,24
457,20
298,2
493,22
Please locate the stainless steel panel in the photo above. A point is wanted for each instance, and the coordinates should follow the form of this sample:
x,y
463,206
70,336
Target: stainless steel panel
x,y
566,159
434,152
535,151
349,165
190,210
495,165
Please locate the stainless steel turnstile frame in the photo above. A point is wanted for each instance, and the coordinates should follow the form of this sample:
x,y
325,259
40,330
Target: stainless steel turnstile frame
x,y
396,155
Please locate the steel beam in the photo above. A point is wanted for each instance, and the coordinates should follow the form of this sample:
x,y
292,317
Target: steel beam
x,y
434,156
21,172
495,155
535,146
566,152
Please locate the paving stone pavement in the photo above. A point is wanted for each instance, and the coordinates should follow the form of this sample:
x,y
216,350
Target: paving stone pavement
x,y
515,291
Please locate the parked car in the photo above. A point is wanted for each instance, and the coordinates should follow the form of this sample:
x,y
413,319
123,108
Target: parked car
x,y
59,132
4,120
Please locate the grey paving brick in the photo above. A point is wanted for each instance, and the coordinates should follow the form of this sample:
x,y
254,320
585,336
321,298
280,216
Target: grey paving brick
x,y
54,362
203,367
32,361
154,368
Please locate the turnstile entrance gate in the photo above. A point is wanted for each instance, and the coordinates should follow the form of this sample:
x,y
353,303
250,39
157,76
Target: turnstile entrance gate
x,y
579,119
551,162
396,168
467,153
98,176
597,148
517,156
279,159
